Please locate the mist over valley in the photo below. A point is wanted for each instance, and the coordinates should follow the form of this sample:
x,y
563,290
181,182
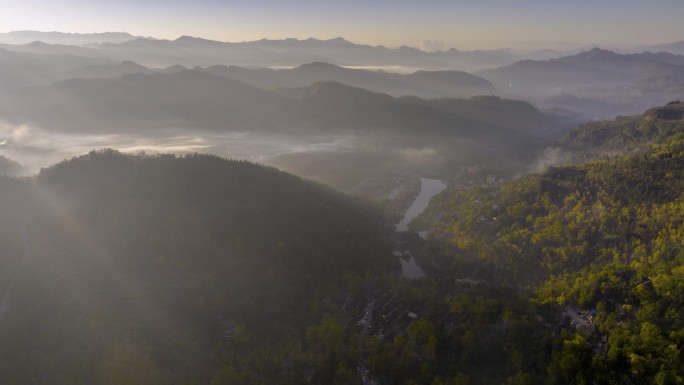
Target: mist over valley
x,y
341,193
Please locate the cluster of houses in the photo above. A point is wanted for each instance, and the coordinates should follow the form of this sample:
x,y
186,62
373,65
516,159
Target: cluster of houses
x,y
378,312
383,313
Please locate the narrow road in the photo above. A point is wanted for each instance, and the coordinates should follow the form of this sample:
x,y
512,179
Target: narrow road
x,y
7,298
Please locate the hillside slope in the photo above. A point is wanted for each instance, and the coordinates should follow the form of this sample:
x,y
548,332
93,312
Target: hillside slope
x,y
600,242
157,264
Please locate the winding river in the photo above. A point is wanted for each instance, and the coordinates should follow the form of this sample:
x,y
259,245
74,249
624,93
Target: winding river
x,y
428,189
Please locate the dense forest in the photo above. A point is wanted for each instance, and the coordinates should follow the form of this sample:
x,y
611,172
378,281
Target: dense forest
x,y
148,269
598,244
123,269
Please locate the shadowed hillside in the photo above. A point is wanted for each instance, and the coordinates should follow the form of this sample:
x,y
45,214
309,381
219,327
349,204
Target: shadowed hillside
x,y
164,259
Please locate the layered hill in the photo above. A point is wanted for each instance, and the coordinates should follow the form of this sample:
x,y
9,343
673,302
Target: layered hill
x,y
596,67
407,133
139,101
19,69
196,99
597,82
426,84
39,63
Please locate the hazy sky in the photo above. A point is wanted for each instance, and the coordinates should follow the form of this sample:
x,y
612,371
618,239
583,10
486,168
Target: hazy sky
x,y
467,24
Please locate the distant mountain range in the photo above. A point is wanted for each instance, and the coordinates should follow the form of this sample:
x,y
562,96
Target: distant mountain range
x,y
41,48
597,81
595,67
675,48
25,37
191,51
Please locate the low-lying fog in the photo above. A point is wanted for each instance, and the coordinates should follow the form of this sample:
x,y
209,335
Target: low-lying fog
x,y
394,69
35,147
341,160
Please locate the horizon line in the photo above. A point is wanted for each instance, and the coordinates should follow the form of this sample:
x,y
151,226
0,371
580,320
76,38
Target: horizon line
x,y
576,46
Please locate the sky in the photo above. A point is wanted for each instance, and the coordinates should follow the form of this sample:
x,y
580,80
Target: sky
x,y
463,24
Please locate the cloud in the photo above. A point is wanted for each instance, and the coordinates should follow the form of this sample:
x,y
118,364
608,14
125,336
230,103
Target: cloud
x,y
34,147
550,157
419,155
431,45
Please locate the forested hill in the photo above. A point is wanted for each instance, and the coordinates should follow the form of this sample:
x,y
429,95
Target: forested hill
x,y
626,134
567,217
553,222
272,215
602,243
154,263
